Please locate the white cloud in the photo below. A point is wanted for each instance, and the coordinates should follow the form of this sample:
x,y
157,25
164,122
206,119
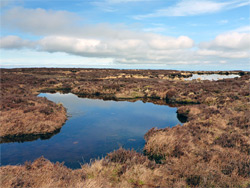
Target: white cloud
x,y
234,41
231,45
68,44
244,29
63,23
115,42
101,40
152,48
15,42
38,21
160,42
194,7
224,54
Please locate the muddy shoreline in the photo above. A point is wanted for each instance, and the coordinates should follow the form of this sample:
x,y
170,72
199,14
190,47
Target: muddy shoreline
x,y
211,149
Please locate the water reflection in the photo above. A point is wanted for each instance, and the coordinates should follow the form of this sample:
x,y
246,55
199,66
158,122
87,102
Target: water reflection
x,y
94,128
211,76
182,118
28,137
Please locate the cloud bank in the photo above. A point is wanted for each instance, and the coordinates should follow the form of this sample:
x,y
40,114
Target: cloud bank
x,y
60,31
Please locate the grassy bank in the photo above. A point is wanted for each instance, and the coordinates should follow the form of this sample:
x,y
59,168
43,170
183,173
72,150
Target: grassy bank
x,y
24,115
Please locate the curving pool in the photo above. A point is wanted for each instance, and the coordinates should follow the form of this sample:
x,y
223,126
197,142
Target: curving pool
x,y
94,128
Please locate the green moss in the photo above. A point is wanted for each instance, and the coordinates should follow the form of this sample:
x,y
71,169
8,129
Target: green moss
x,y
140,182
131,180
135,94
90,176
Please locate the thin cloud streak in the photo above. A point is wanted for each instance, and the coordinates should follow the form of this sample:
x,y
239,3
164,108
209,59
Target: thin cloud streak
x,y
108,5
194,7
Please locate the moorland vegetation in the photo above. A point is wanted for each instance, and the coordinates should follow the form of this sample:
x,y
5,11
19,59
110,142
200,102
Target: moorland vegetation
x,y
212,149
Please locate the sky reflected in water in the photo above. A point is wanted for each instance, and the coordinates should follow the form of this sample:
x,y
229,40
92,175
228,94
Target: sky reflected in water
x,y
211,76
94,128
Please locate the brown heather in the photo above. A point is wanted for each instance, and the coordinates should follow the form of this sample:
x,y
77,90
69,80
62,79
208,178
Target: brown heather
x,y
212,149
30,115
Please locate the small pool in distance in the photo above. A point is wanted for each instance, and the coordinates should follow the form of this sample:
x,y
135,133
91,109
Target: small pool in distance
x,y
94,128
211,76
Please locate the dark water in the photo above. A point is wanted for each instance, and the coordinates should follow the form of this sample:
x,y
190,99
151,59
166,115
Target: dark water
x,y
211,76
94,128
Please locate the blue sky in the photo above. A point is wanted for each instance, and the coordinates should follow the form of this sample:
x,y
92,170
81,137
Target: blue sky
x,y
155,34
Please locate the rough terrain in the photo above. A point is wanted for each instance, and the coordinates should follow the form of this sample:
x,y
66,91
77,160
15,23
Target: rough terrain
x,y
212,149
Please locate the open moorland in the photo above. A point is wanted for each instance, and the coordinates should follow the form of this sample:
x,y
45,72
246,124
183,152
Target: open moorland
x,y
212,149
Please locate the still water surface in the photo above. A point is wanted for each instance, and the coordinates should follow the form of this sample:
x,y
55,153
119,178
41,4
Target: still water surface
x,y
94,128
211,76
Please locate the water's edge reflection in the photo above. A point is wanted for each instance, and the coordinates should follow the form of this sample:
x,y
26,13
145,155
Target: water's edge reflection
x,y
94,128
33,137
28,137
